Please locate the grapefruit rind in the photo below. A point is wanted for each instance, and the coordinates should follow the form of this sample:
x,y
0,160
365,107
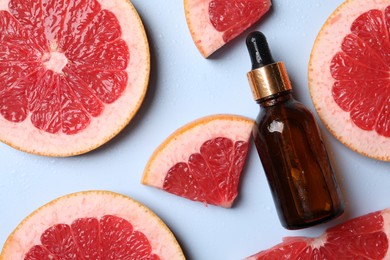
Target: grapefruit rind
x,y
25,137
188,139
209,40
386,225
327,43
91,204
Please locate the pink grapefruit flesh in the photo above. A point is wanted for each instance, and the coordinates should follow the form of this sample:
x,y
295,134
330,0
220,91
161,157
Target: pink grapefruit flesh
x,y
72,73
365,237
349,76
92,225
203,160
213,23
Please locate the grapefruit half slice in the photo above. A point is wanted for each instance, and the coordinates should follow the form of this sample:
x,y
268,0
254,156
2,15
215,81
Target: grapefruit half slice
x,y
349,76
365,237
72,73
203,160
213,23
92,225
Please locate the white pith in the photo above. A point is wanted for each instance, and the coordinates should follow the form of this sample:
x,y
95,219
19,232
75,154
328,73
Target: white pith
x,y
91,204
115,117
206,38
188,140
328,43
318,241
56,61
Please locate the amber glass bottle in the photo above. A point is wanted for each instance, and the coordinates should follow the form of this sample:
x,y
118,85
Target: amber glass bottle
x,y
289,144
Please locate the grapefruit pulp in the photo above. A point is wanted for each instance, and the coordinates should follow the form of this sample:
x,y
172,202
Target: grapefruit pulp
x,y
213,23
72,73
203,160
92,225
365,237
349,76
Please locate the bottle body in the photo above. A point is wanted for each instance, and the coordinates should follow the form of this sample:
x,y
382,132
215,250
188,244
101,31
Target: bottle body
x,y
296,163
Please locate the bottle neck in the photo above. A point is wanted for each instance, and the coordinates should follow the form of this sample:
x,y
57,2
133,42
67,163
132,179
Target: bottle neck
x,y
275,99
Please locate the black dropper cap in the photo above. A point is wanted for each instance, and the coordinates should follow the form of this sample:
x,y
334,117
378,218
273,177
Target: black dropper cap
x,y
267,77
258,49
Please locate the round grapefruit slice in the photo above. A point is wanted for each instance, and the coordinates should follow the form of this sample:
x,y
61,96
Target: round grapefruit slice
x,y
365,237
349,76
72,73
92,225
213,23
203,160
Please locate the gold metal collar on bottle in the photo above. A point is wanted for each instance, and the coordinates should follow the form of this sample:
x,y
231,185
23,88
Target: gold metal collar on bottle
x,y
268,80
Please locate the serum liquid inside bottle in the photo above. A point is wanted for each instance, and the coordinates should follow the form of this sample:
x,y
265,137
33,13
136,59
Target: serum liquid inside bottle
x,y
289,144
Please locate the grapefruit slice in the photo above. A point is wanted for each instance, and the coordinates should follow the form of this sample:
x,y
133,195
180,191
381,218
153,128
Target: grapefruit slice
x,y
72,73
365,237
203,160
213,23
349,76
92,225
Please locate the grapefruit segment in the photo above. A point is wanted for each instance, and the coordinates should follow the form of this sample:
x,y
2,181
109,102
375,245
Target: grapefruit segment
x,y
92,225
73,73
29,15
203,160
365,237
349,76
213,23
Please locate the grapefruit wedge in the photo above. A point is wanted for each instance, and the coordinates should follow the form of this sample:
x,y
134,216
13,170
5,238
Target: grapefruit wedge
x,y
72,73
92,225
203,160
213,23
349,76
365,237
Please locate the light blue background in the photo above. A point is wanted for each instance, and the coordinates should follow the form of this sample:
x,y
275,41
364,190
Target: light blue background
x,y
184,86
